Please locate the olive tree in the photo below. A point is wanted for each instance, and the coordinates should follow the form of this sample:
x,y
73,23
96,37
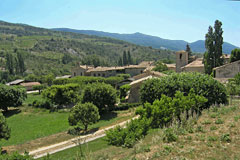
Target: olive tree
x,y
11,96
83,115
104,96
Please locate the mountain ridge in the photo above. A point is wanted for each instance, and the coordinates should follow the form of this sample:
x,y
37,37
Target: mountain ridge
x,y
153,41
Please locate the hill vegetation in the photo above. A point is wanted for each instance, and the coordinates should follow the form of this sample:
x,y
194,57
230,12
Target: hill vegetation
x,y
153,41
45,51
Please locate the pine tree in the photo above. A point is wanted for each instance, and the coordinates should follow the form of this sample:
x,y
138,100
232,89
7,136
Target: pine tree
x,y
125,61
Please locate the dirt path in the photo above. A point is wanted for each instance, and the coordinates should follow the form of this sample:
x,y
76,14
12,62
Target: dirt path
x,y
43,151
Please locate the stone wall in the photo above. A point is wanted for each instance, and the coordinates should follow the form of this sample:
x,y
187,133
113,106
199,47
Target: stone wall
x,y
228,70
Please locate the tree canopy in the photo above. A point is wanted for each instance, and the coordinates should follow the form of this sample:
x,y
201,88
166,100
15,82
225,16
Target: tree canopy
x,y
83,115
235,55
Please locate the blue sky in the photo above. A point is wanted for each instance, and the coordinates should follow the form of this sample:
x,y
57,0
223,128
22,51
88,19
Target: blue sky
x,y
171,19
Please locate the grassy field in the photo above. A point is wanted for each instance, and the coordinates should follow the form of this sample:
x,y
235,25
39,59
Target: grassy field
x,y
215,135
28,124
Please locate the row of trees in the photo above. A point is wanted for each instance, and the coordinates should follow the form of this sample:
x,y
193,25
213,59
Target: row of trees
x,y
15,64
126,59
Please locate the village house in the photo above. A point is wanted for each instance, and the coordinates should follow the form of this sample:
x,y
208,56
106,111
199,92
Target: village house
x,y
195,66
29,85
228,70
107,71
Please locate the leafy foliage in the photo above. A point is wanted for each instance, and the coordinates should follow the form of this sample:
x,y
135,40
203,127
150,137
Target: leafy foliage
x,y
123,90
160,67
83,114
213,43
127,137
235,55
16,156
11,96
4,130
202,85
62,94
104,96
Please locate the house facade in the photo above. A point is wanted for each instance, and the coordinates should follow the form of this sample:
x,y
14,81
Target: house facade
x,y
228,70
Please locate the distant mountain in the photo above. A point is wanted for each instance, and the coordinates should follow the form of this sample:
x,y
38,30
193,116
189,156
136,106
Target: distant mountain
x,y
153,41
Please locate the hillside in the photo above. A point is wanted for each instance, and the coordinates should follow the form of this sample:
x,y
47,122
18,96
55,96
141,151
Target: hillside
x,y
46,51
153,41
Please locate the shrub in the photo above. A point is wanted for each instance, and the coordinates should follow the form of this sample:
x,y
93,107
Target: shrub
x,y
123,90
127,137
4,130
169,135
203,85
104,96
16,156
125,76
11,96
42,104
160,67
63,94
126,106
226,138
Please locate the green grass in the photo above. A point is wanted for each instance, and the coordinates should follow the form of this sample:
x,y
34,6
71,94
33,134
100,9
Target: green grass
x,y
26,126
87,149
28,123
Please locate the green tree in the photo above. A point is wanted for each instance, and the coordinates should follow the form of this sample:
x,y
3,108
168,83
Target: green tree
x,y
125,60
189,51
39,87
129,58
10,63
120,61
160,67
83,115
4,130
20,63
104,96
62,94
235,55
11,96
213,44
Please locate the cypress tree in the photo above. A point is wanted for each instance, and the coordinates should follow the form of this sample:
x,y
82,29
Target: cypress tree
x,y
130,61
125,61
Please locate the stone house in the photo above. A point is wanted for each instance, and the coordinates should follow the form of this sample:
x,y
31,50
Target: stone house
x,y
29,85
107,71
228,70
195,66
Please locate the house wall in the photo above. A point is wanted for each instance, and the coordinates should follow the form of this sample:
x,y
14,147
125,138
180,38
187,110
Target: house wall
x,y
134,71
228,71
78,72
181,60
193,69
134,95
99,74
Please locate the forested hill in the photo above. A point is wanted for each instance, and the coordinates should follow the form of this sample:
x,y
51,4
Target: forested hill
x,y
155,42
47,51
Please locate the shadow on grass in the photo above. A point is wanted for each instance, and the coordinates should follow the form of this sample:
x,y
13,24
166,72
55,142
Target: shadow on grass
x,y
79,132
108,116
11,112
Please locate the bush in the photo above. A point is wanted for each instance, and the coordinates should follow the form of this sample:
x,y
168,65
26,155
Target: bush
x,y
63,94
15,156
42,104
83,80
125,76
126,106
123,90
104,96
160,67
11,96
127,137
202,85
226,138
4,130
169,135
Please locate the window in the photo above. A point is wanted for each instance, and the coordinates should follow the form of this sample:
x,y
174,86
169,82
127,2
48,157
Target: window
x,y
74,73
180,56
103,74
81,73
99,74
94,75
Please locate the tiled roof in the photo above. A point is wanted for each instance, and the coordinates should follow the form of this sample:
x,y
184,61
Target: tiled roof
x,y
196,63
30,84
